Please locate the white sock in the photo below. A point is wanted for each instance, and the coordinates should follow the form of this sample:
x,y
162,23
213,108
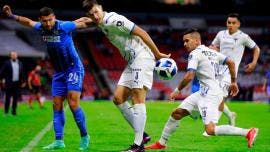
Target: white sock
x,y
169,128
219,114
230,130
227,111
127,111
139,120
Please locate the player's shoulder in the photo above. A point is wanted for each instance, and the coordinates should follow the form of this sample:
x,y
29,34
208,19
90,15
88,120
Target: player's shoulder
x,y
222,32
243,34
110,17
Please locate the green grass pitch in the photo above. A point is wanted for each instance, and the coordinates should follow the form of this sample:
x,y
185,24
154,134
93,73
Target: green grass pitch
x,y
110,132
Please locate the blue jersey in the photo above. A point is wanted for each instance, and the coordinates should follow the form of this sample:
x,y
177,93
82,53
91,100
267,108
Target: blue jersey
x,y
60,46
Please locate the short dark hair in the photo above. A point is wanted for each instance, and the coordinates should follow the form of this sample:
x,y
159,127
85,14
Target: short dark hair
x,y
234,15
45,11
89,4
191,30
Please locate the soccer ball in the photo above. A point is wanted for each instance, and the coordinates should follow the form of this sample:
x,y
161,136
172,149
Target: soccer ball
x,y
166,68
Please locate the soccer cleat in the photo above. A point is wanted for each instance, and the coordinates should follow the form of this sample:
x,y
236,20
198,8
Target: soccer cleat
x,y
134,148
84,142
205,134
156,145
146,138
57,144
232,119
251,136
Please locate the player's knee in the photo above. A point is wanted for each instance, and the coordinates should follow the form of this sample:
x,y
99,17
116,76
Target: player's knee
x,y
178,114
57,106
73,104
117,100
210,129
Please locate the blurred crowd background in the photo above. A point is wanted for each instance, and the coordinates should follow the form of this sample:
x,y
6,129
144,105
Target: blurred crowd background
x,y
165,20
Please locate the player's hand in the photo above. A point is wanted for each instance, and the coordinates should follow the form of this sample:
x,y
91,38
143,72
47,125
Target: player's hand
x,y
234,89
162,55
7,11
174,94
250,67
85,20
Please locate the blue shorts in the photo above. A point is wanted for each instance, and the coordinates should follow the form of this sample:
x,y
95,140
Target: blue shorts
x,y
69,80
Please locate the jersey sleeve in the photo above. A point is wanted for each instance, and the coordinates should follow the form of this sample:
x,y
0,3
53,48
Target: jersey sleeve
x,y
216,41
193,60
68,26
121,22
248,42
37,26
221,58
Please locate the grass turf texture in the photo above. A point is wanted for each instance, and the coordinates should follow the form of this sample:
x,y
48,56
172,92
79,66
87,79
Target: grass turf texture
x,y
110,132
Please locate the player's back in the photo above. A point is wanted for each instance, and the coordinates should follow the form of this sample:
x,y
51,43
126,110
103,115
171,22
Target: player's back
x,y
60,46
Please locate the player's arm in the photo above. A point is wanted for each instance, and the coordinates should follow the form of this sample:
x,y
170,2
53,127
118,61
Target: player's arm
x,y
233,87
83,22
21,19
149,42
216,43
214,47
251,66
188,77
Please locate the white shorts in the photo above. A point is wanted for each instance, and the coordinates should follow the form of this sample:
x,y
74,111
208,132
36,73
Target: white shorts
x,y
138,74
225,86
207,105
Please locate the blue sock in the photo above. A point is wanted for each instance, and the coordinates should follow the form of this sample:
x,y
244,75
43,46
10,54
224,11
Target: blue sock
x,y
58,123
269,101
79,117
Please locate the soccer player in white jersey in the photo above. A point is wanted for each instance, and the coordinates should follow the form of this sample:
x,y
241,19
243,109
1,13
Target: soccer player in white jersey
x,y
232,42
138,49
203,62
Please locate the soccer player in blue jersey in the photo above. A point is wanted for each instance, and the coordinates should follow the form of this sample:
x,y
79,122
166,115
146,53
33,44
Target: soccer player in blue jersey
x,y
69,71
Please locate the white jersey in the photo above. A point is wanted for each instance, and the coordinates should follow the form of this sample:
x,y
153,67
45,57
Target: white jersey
x,y
118,30
205,62
232,46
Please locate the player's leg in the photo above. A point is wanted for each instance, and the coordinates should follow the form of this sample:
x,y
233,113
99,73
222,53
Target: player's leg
x,y
209,110
58,123
139,117
120,98
38,96
183,110
74,88
79,117
30,99
59,93
169,128
228,113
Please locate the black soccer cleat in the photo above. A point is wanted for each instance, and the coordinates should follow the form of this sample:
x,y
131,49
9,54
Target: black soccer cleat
x,y
134,148
146,138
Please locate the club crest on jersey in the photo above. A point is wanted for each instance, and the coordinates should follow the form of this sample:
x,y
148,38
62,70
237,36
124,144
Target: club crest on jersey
x,y
119,23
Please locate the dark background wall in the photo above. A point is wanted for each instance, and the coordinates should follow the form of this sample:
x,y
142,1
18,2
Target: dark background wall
x,y
245,7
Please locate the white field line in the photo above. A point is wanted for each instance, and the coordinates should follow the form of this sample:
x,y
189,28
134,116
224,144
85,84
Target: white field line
x,y
38,137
